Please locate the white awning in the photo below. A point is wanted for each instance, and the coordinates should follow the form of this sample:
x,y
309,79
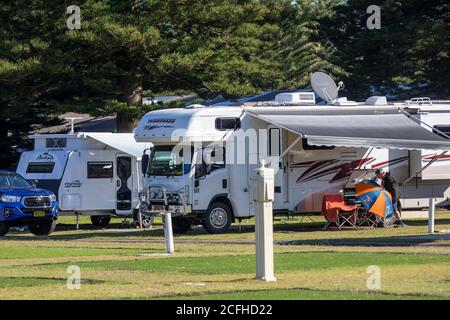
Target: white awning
x,y
353,127
124,142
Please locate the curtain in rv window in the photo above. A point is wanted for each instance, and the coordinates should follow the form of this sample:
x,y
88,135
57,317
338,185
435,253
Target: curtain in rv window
x,y
99,170
228,124
40,167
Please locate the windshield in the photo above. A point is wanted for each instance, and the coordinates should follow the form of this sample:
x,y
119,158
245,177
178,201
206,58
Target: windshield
x,y
168,161
13,180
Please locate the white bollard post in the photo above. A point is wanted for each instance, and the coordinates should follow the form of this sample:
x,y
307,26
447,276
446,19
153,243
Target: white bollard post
x,y
431,210
262,188
168,233
77,227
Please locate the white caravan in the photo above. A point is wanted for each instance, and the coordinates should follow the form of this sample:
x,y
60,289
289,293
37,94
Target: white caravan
x,y
203,157
95,174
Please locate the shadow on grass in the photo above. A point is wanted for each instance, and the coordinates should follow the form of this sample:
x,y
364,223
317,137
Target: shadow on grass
x,y
383,241
302,293
118,232
6,282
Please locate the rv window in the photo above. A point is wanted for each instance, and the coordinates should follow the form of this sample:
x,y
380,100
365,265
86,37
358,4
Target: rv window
x,y
228,124
58,143
444,128
307,146
215,157
99,170
40,167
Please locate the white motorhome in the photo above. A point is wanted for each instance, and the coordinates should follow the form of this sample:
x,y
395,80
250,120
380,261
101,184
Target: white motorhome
x,y
94,174
203,157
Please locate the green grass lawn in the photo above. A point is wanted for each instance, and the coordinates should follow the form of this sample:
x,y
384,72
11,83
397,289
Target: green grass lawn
x,y
310,263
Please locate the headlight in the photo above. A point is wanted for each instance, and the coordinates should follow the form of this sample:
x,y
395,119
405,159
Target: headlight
x,y
8,198
152,195
53,197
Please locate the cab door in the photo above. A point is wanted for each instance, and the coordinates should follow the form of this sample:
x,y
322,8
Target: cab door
x,y
210,177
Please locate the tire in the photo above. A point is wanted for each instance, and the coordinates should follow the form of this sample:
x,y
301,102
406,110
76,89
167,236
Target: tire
x,y
218,218
3,229
43,228
147,221
181,225
100,221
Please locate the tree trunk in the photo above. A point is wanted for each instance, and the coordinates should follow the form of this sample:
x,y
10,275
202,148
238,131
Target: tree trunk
x,y
132,95
123,123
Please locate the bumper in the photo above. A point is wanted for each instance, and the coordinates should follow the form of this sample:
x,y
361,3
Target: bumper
x,y
15,214
155,209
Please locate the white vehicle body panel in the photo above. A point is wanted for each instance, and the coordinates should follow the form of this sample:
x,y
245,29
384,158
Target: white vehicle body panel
x,y
78,156
302,176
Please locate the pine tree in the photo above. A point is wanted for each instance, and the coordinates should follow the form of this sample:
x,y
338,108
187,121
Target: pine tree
x,y
412,45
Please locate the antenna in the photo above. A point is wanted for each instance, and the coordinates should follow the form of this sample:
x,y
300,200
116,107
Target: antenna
x,y
325,87
72,123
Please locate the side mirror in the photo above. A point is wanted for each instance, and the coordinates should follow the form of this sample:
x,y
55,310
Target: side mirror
x,y
199,171
207,168
34,183
144,163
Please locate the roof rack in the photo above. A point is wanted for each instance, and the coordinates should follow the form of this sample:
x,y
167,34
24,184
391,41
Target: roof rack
x,y
440,101
419,101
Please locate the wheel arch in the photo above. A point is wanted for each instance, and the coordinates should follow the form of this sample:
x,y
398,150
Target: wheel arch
x,y
223,198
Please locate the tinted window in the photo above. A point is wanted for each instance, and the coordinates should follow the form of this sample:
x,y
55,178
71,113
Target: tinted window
x,y
439,129
13,180
99,170
228,123
17,181
4,180
215,157
40,167
55,143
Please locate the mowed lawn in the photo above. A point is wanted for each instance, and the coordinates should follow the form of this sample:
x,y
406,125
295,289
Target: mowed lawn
x,y
310,263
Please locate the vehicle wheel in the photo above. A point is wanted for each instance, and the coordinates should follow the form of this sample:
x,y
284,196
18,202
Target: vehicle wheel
x,y
3,229
42,228
100,221
181,225
147,221
218,218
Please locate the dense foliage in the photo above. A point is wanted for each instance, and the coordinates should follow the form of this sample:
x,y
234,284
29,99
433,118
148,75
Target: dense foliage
x,y
220,47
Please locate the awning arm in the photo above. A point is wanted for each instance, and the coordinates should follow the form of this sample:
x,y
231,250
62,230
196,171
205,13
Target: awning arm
x,y
300,136
277,124
436,157
290,146
423,122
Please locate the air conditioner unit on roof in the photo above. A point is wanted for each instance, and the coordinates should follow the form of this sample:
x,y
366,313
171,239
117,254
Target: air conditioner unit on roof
x,y
296,98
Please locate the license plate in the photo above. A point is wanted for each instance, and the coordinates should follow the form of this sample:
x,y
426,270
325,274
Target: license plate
x,y
39,214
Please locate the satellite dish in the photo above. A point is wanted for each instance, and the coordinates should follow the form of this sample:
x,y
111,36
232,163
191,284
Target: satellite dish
x,y
324,86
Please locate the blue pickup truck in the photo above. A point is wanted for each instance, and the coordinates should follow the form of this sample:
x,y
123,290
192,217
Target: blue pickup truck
x,y
21,204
